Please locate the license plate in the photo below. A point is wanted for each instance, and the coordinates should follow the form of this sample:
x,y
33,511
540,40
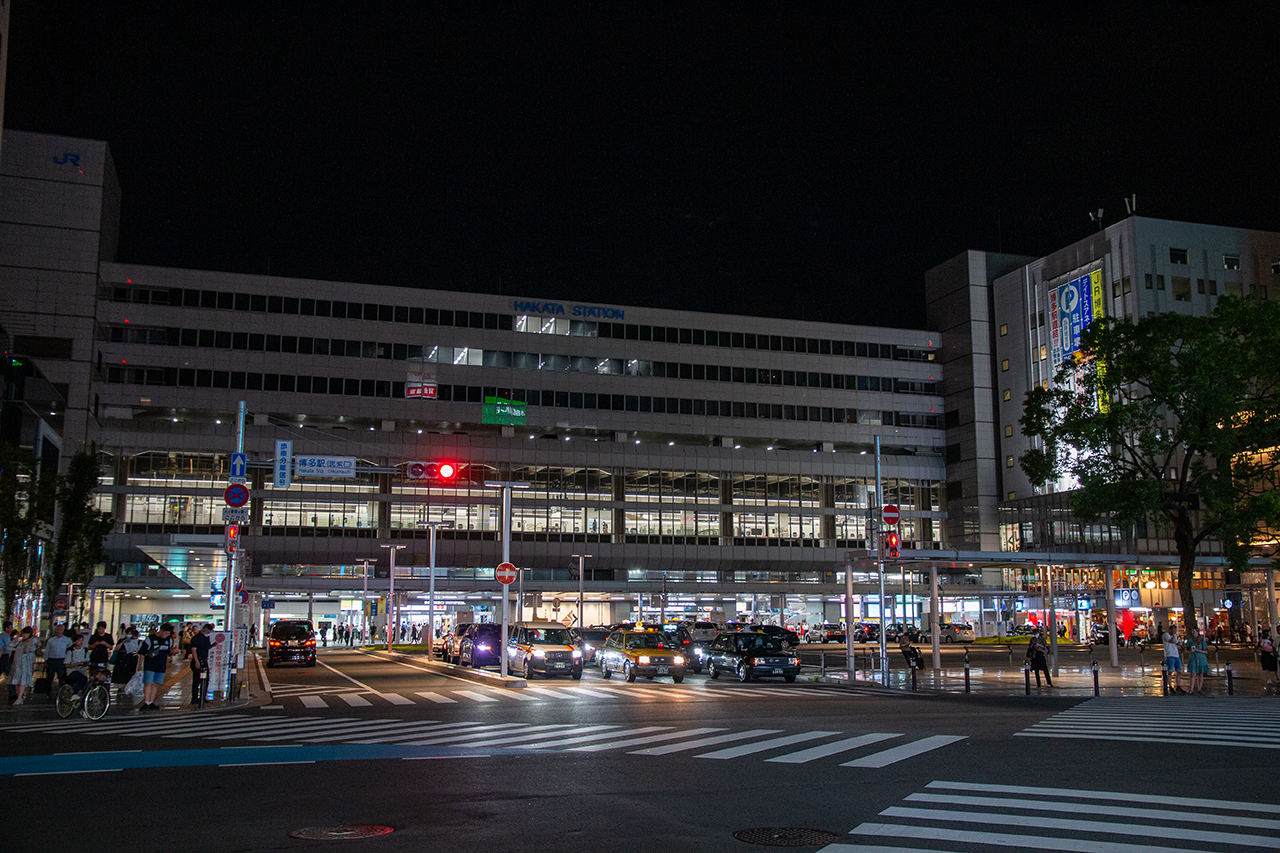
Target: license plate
x,y
557,666
662,670
777,670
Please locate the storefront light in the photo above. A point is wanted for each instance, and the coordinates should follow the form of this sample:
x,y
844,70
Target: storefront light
x,y
1150,584
1164,584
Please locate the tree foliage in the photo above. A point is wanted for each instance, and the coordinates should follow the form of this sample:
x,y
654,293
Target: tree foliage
x,y
1188,432
77,544
25,500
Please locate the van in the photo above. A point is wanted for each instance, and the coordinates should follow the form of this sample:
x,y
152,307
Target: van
x,y
545,648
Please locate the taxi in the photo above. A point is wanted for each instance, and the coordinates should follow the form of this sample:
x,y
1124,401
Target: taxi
x,y
547,648
648,653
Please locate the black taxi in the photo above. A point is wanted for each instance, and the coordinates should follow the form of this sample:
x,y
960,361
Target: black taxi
x,y
749,655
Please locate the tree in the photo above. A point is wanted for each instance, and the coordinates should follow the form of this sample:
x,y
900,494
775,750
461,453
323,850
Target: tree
x,y
77,544
1188,432
25,500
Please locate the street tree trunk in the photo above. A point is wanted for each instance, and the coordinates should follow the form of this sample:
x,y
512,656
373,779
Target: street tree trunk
x,y
1184,537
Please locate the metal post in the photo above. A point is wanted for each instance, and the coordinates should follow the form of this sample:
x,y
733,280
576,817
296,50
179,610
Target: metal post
x,y
934,605
1164,678
364,604
1231,684
582,617
1093,665
1026,675
431,588
822,663
392,627
850,653
966,670
506,487
913,676
232,570
1053,620
1112,640
884,649
1271,606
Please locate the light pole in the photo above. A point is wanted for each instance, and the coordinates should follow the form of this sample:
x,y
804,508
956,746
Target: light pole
x,y
506,486
391,597
582,619
431,589
364,602
884,648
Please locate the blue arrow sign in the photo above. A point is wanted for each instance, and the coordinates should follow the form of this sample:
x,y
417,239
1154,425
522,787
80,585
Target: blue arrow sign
x,y
239,465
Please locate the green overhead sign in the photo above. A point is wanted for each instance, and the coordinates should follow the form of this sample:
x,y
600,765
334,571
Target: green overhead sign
x,y
499,410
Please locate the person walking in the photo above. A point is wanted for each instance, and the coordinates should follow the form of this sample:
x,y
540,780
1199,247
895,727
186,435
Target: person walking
x,y
155,662
1038,655
200,644
6,649
1268,658
55,653
99,645
1173,658
1197,661
126,658
22,675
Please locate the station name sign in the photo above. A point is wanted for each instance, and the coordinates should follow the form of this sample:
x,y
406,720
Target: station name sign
x,y
559,309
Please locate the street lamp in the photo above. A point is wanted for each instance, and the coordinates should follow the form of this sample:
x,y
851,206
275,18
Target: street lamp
x,y
582,620
506,486
431,589
364,602
391,597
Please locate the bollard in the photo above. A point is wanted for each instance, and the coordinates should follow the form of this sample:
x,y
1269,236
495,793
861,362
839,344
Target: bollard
x,y
966,670
1164,678
1093,664
1231,684
1026,675
822,663
913,674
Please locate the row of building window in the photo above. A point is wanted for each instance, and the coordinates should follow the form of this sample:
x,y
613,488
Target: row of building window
x,y
476,357
241,380
416,315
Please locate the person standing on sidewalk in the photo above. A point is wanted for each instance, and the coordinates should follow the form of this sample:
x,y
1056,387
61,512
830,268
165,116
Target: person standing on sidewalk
x,y
1173,657
6,649
200,644
1038,655
155,661
24,663
55,653
1197,661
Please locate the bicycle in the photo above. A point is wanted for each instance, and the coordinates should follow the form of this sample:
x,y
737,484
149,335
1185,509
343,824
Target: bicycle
x,y
93,703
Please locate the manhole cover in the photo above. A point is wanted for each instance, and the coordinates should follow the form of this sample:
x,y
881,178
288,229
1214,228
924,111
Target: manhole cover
x,y
341,833
787,836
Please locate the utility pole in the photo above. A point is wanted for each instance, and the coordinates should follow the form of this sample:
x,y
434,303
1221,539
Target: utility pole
x,y
582,619
233,566
364,602
392,627
431,589
884,648
506,486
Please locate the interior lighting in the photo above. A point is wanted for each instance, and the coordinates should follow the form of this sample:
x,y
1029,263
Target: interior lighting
x,y
1150,584
419,432
671,444
862,453
770,447
1164,584
737,447
218,421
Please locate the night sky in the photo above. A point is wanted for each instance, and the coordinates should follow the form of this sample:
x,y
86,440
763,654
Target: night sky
x,y
794,160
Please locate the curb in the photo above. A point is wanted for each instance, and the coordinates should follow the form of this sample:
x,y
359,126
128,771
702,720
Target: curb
x,y
492,679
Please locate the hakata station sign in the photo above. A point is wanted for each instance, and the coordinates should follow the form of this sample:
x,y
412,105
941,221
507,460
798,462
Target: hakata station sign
x,y
890,514
505,573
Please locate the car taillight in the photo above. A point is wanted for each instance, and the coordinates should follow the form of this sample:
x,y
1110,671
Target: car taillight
x,y
311,642
274,642
755,661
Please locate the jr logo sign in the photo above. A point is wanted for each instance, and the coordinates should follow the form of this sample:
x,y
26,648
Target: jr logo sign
x,y
67,157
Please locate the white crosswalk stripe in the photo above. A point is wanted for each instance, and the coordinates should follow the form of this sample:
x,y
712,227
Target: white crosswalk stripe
x,y
1189,720
432,696
954,816
314,702
793,748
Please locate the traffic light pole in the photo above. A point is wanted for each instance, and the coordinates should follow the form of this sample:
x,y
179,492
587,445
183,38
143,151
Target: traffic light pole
x,y
233,566
506,487
884,645
392,628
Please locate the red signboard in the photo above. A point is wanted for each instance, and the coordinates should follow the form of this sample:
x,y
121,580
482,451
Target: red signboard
x,y
505,573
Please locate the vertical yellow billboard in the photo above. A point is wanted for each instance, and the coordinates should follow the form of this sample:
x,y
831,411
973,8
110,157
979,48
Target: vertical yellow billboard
x,y
1095,286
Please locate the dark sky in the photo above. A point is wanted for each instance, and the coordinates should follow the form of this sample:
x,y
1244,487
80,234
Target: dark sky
x,y
797,160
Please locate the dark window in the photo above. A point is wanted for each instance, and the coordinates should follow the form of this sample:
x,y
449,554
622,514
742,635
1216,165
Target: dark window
x,y
307,307
953,454
257,343
291,305
273,343
275,304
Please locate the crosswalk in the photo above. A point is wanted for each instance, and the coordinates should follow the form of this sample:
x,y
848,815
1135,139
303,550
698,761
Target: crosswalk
x,y
956,816
1189,720
872,750
315,697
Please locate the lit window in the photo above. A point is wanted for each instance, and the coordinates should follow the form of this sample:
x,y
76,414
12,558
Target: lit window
x,y
1008,430
1008,462
1044,383
1177,256
1004,365
1004,329
1231,262
1044,351
1008,395
1011,495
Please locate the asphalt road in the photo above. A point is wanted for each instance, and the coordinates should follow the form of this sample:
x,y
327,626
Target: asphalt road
x,y
650,766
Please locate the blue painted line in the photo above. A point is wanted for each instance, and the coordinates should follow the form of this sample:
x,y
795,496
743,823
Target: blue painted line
x,y
101,761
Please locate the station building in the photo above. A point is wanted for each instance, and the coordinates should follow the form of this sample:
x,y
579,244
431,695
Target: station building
x,y
690,463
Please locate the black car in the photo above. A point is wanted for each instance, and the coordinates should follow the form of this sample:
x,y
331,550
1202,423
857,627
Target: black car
x,y
895,631
291,640
592,640
451,643
681,638
749,655
481,645
790,639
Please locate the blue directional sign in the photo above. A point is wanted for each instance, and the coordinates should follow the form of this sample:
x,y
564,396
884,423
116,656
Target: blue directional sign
x,y
239,467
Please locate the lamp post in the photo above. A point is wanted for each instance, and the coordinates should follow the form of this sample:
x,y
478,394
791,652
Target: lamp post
x,y
506,486
391,596
431,589
582,619
364,602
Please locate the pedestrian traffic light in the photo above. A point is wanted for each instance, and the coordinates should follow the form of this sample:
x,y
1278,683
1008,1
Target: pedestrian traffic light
x,y
891,543
439,472
231,538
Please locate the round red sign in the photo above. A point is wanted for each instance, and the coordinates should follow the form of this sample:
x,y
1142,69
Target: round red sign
x,y
889,514
236,495
505,573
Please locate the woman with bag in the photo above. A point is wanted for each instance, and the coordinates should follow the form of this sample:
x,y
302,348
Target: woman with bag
x,y
1198,661
125,658
24,663
1038,655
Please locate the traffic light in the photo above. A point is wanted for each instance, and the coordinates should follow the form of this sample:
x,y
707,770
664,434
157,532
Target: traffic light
x,y
439,472
231,538
892,543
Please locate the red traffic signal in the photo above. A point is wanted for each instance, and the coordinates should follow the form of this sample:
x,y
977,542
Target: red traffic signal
x,y
231,538
441,472
892,543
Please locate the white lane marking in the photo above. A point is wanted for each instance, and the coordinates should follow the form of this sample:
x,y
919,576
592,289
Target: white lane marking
x,y
271,708
556,744
474,696
428,671
1022,821
553,693
907,750
395,699
265,763
1164,738
1001,839
262,673
68,772
823,750
1113,811
113,752
437,698
528,734
318,727
501,693
249,729
636,741
355,700
483,730
312,702
451,728
359,684
706,741
372,730
761,746
1110,796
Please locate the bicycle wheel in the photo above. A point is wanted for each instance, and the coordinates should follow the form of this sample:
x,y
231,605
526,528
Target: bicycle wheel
x,y
97,702
66,701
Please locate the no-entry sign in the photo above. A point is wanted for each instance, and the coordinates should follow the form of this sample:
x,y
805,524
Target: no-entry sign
x,y
889,514
505,573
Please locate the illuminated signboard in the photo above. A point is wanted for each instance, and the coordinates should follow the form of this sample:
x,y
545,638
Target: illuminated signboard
x,y
499,410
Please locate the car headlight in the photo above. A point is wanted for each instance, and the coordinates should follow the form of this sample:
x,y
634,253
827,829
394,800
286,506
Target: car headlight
x,y
576,654
589,648
482,648
795,661
539,653
643,660
679,661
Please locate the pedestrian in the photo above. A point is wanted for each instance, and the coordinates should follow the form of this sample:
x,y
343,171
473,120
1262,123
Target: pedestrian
x,y
126,658
99,645
1173,658
1038,655
200,644
24,663
1267,657
155,662
76,663
1197,661
6,649
55,652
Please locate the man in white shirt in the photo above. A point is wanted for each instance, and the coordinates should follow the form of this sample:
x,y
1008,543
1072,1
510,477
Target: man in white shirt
x,y
55,651
1173,658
